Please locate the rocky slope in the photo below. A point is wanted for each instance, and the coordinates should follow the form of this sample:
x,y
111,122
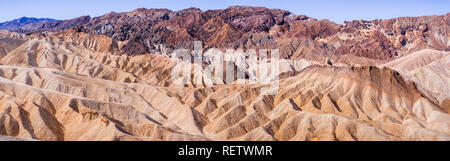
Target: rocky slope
x,y
110,78
32,25
76,86
9,41
297,36
24,23
430,69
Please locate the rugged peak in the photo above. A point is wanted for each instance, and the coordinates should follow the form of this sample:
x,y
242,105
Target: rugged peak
x,y
32,19
19,24
237,26
97,81
148,10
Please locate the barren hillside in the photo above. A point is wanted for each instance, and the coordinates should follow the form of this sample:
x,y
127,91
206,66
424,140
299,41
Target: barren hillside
x,y
112,78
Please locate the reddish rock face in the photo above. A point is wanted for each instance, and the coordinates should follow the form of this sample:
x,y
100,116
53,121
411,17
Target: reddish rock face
x,y
405,35
297,36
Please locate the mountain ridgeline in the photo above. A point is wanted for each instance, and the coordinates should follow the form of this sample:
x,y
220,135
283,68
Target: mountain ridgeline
x,y
30,25
112,78
297,36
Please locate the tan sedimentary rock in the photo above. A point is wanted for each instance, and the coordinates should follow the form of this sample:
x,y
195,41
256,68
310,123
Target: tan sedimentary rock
x,y
74,86
8,138
430,69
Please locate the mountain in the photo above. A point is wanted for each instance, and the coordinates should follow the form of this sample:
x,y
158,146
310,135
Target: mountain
x,y
111,78
296,36
33,25
9,41
429,68
245,27
24,23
